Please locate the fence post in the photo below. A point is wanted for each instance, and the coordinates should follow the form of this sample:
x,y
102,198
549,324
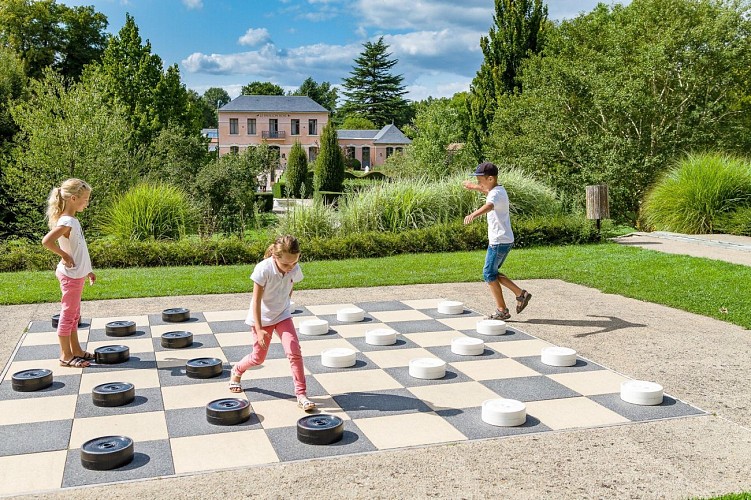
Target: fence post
x,y
597,203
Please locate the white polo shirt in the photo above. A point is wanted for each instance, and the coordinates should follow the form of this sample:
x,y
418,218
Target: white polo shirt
x,y
276,290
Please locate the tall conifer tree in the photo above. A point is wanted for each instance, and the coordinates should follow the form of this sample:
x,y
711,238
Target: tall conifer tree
x,y
517,33
372,91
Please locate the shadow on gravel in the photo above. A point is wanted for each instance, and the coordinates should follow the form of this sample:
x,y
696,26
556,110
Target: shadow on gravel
x,y
609,324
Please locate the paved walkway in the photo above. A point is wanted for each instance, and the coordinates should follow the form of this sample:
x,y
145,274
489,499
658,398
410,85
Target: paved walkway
x,y
735,249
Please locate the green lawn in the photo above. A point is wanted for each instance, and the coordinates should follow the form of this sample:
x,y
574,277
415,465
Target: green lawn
x,y
710,288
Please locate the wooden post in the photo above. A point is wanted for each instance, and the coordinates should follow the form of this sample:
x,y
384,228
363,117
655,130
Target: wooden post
x,y
597,203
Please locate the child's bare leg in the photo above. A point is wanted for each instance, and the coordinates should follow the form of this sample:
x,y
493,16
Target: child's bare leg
x,y
66,354
497,293
75,344
505,281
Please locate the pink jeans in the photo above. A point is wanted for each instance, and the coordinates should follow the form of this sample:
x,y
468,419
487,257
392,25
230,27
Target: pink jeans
x,y
286,331
70,310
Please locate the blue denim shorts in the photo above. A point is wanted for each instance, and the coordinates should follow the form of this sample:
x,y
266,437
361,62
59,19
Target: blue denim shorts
x,y
494,259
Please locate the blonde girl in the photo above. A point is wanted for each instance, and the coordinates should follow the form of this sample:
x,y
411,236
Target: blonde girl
x,y
65,238
273,280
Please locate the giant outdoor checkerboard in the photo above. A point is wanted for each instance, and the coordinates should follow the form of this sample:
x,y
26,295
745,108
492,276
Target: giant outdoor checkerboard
x,y
382,406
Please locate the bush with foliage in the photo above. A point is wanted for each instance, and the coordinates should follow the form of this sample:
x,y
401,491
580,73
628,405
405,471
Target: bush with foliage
x,y
149,211
329,168
699,193
296,172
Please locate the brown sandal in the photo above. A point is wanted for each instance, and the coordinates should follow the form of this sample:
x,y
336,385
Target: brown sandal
x,y
87,356
74,362
235,387
522,301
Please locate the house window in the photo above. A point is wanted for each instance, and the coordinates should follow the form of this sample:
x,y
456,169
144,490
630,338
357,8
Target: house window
x,y
349,152
234,150
399,150
295,127
312,126
312,153
233,126
389,151
251,126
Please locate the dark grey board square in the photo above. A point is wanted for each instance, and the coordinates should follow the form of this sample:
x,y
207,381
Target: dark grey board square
x,y
300,311
401,375
35,437
333,322
536,388
534,362
380,403
383,305
192,422
236,353
100,335
37,352
195,317
46,326
63,385
288,447
444,352
150,459
314,365
137,361
510,335
469,422
175,375
362,346
420,325
266,389
467,313
199,342
148,399
670,408
229,327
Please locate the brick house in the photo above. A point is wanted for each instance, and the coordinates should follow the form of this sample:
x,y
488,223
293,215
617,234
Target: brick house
x,y
250,120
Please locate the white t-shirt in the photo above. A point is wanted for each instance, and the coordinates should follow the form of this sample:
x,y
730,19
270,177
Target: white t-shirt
x,y
75,246
276,290
499,220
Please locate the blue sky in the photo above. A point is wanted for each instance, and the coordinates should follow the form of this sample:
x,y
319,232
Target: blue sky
x,y
229,43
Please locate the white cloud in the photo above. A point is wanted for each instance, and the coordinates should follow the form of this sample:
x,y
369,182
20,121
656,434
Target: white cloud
x,y
254,36
193,4
423,14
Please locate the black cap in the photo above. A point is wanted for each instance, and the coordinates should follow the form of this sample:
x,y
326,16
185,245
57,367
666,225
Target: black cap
x,y
486,168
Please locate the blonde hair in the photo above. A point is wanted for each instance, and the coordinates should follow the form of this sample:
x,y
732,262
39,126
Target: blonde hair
x,y
60,195
283,244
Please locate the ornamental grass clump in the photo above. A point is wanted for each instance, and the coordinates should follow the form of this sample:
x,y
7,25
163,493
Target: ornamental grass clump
x,y
149,212
697,194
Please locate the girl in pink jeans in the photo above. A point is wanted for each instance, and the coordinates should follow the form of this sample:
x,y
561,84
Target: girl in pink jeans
x,y
273,279
65,238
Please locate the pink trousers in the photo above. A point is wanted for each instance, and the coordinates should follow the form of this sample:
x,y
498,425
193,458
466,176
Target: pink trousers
x,y
70,310
286,331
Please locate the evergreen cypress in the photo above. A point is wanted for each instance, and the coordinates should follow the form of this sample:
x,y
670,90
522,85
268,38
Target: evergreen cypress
x,y
297,170
329,171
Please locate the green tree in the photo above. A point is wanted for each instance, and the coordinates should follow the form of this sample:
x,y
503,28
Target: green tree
x,y
67,130
372,90
329,168
297,170
518,32
47,34
154,98
262,88
176,157
226,190
622,92
12,90
213,98
357,122
323,93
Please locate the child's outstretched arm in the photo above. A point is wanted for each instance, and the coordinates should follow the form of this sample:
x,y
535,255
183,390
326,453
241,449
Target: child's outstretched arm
x,y
256,304
473,186
50,243
480,211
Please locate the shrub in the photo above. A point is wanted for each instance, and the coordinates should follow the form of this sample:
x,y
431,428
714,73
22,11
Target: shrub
x,y
265,201
737,222
149,211
279,189
329,170
297,170
692,196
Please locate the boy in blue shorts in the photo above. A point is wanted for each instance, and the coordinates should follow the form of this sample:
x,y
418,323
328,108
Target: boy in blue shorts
x,y
500,238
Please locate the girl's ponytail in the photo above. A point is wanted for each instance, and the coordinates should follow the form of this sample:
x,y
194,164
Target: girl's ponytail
x,y
59,196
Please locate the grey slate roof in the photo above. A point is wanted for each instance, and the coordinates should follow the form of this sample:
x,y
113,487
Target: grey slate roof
x,y
389,134
274,103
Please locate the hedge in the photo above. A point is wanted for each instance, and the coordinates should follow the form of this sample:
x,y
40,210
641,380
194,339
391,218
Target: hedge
x,y
18,255
265,201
